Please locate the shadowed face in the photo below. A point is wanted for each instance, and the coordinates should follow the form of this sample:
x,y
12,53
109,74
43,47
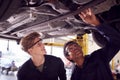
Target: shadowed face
x,y
74,51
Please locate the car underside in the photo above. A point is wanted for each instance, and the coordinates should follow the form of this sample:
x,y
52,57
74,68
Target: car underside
x,y
53,18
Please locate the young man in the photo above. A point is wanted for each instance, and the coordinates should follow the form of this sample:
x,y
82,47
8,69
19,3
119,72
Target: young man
x,y
96,65
40,66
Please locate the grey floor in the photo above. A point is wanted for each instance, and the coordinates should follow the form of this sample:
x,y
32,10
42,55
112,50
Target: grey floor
x,y
10,76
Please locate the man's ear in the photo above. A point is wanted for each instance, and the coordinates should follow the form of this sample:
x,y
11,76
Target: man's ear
x,y
29,50
68,57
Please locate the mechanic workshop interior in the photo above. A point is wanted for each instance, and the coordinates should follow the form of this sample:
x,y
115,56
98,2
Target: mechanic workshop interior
x,y
57,21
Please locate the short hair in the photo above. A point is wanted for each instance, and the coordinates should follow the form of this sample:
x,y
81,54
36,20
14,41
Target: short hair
x,y
27,41
66,54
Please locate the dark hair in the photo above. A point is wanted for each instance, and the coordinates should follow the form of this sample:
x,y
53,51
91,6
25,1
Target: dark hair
x,y
65,52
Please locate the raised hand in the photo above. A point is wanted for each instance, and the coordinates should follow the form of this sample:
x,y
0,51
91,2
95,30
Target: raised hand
x,y
89,17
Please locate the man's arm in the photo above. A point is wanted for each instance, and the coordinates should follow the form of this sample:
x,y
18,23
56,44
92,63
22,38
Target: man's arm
x,y
89,18
113,45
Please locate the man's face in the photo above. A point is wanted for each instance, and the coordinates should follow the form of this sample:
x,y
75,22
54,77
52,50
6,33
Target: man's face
x,y
38,47
75,52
